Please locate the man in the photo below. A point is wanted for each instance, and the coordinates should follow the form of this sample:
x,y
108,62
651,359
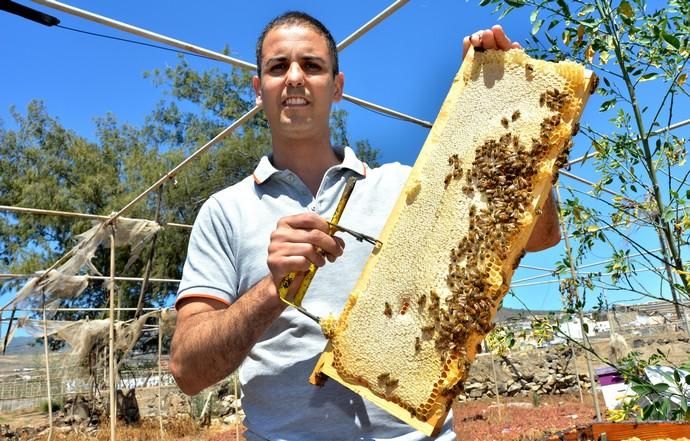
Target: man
x,y
248,237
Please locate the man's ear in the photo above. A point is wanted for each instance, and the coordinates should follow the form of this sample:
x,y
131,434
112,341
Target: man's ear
x,y
339,85
256,82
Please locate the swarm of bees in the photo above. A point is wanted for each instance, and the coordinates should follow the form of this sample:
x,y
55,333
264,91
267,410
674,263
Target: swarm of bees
x,y
554,99
502,171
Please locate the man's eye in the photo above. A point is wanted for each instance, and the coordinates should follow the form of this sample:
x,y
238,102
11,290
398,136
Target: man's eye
x,y
313,66
277,67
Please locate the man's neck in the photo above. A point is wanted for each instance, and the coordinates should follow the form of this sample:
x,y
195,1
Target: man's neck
x,y
308,159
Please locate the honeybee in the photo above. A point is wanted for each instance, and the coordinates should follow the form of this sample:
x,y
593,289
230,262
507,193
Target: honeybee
x,y
504,122
387,311
529,69
515,116
422,300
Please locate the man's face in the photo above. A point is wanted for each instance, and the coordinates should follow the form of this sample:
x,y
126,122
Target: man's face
x,y
297,85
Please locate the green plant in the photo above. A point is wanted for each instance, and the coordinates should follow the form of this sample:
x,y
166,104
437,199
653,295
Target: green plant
x,y
500,340
536,399
662,401
640,50
55,405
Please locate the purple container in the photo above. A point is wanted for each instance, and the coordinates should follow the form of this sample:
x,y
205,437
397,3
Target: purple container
x,y
608,375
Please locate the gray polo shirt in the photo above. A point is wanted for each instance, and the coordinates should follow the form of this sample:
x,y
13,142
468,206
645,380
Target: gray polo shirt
x,y
227,255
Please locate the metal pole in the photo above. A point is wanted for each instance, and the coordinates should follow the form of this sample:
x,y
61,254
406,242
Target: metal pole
x,y
370,24
172,173
47,361
204,52
498,396
387,111
73,214
653,133
585,339
592,184
111,337
160,375
152,253
89,277
144,33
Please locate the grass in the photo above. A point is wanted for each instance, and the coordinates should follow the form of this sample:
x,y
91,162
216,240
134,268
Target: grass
x,y
180,428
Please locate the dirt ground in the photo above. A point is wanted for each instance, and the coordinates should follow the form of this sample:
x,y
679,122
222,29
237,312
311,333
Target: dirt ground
x,y
520,419
515,419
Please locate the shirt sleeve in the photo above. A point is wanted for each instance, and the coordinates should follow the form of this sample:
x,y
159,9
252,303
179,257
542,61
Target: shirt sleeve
x,y
210,267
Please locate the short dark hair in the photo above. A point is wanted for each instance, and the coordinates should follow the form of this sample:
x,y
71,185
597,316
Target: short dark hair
x,y
298,18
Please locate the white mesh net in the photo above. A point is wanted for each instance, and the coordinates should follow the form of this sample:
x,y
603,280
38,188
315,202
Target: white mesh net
x,y
64,282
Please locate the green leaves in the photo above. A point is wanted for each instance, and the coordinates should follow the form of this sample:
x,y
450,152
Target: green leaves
x,y
671,39
536,26
516,3
565,10
608,104
625,9
649,77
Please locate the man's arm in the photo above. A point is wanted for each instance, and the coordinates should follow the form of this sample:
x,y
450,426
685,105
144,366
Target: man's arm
x,y
211,339
547,231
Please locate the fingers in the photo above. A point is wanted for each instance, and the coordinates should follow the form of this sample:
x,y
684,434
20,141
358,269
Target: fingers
x,y
488,40
502,41
299,241
465,46
494,38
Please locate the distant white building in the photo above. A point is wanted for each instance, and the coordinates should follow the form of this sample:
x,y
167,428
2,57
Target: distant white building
x,y
573,328
602,327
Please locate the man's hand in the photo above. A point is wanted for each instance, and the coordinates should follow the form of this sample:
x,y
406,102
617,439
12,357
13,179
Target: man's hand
x,y
299,241
493,38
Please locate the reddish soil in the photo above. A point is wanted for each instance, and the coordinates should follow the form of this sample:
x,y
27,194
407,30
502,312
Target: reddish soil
x,y
519,419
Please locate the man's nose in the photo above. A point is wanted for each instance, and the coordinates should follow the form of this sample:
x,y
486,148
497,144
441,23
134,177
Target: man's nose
x,y
295,75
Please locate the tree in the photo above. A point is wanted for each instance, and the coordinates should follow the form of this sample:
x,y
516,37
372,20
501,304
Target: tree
x,y
640,55
634,50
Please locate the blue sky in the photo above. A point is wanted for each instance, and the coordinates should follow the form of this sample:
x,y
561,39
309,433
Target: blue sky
x,y
405,63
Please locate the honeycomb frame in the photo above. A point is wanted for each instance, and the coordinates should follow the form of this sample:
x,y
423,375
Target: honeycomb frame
x,y
411,326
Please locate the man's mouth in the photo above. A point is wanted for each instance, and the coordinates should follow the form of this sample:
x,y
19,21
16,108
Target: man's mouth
x,y
295,101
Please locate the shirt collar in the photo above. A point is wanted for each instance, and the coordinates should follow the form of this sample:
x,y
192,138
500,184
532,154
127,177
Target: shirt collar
x,y
349,160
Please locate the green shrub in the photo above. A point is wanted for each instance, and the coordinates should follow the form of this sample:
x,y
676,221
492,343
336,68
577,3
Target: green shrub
x,y
55,405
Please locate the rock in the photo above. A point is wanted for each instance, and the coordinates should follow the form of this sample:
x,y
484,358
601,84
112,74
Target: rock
x,y
234,419
473,386
513,388
476,393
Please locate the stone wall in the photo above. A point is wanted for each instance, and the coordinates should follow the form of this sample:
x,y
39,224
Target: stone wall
x,y
549,371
